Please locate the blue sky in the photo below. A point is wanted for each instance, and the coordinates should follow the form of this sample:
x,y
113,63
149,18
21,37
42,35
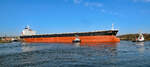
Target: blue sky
x,y
57,16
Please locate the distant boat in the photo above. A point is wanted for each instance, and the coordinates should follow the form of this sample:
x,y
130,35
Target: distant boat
x,y
140,38
76,40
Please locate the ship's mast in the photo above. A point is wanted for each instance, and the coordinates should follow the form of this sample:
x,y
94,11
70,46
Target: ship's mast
x,y
27,27
112,27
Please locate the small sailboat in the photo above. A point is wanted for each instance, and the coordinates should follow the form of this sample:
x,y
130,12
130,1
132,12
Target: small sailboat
x,y
140,38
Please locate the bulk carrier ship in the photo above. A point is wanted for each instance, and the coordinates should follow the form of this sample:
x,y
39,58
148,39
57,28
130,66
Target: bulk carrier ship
x,y
28,35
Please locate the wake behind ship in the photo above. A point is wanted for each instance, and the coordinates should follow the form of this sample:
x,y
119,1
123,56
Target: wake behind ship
x,y
28,35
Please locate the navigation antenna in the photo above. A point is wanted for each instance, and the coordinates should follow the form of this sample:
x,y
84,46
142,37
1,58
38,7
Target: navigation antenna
x,y
27,27
112,27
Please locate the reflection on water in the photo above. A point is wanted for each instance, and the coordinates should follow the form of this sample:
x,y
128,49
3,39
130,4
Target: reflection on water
x,y
141,47
140,43
76,44
121,54
25,47
110,48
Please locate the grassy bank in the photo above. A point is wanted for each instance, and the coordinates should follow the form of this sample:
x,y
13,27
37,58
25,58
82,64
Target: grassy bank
x,y
5,41
133,37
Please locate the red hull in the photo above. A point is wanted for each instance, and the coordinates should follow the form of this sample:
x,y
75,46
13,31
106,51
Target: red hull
x,y
84,39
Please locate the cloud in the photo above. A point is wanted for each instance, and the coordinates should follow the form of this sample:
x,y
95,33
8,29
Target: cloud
x,y
141,0
77,1
93,4
66,0
147,0
103,10
88,4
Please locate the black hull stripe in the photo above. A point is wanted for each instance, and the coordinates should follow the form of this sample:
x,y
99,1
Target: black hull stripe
x,y
74,34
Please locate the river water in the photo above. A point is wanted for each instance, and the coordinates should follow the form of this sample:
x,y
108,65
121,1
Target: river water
x,y
123,54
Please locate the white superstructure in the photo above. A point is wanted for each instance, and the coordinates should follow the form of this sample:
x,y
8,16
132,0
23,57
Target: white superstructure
x,y
28,31
141,37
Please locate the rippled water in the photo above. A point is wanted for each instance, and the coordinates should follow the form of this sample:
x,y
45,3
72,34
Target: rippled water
x,y
121,54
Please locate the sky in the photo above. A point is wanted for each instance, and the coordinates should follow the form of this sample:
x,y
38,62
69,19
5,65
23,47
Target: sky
x,y
58,16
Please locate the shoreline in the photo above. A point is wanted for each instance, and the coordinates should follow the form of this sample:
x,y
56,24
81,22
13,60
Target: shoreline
x,y
132,37
5,41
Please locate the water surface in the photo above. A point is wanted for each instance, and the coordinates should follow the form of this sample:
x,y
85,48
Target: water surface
x,y
121,54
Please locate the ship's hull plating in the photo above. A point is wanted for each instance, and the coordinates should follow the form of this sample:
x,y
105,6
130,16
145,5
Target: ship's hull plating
x,y
101,36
